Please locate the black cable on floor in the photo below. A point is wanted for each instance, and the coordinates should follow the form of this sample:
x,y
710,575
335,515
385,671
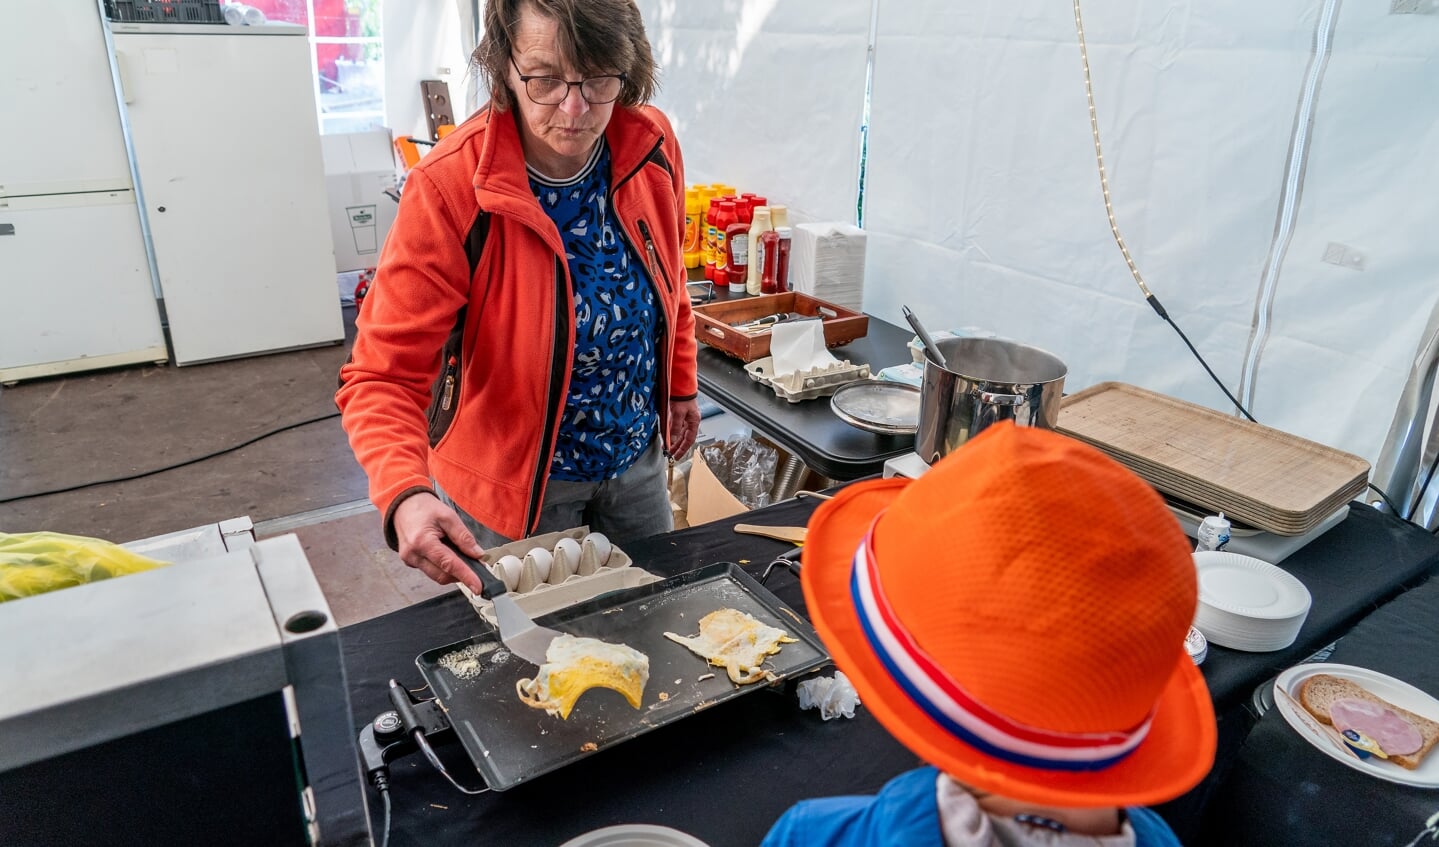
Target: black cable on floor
x,y
185,463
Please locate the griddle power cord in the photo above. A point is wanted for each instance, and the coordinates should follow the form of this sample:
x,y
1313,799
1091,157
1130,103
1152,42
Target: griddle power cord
x,y
381,780
400,699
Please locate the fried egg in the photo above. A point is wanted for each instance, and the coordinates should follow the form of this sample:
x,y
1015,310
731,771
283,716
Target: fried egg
x,y
574,665
735,641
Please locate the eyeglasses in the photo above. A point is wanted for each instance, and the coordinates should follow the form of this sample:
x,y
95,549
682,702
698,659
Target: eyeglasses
x,y
552,91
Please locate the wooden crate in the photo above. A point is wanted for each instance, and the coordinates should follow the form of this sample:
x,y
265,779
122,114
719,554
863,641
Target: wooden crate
x,y
713,322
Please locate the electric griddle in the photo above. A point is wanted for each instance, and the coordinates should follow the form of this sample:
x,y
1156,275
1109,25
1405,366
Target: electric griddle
x,y
509,742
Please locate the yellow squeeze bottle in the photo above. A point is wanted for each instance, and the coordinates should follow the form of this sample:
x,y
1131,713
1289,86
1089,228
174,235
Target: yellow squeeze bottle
x,y
694,224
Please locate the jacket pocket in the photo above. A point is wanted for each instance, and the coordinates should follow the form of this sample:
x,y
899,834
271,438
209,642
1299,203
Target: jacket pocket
x,y
445,393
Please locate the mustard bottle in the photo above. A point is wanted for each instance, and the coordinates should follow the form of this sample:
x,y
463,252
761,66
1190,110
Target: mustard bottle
x,y
694,223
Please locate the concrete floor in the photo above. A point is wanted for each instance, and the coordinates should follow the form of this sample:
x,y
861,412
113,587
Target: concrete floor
x,y
67,431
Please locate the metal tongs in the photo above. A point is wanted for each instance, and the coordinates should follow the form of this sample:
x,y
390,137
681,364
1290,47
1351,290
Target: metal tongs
x,y
518,631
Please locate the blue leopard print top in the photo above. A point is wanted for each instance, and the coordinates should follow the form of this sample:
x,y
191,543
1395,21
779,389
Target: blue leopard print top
x,y
609,417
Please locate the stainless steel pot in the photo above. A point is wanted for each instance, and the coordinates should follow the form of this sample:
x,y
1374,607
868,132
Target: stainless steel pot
x,y
986,381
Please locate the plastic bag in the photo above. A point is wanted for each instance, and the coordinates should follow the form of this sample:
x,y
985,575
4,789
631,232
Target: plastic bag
x,y
833,696
36,562
745,467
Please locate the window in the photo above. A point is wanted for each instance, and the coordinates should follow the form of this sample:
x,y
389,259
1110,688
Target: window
x,y
347,54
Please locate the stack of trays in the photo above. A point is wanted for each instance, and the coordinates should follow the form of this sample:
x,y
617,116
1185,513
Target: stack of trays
x,y
1246,604
1271,480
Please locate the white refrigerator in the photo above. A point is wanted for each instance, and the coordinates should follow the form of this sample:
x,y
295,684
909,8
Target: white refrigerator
x,y
227,148
75,277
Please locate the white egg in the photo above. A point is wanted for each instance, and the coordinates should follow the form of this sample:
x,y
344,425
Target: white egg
x,y
543,559
567,560
508,569
594,552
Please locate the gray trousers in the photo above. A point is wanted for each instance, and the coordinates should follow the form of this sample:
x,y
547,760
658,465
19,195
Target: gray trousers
x,y
633,505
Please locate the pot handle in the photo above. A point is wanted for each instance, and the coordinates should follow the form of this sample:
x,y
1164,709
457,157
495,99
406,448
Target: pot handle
x,y
993,399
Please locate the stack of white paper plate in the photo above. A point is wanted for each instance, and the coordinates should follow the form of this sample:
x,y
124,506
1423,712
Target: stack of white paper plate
x,y
1246,604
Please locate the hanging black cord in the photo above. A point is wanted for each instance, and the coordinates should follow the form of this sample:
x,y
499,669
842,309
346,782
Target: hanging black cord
x,y
1394,510
1159,310
187,462
1423,489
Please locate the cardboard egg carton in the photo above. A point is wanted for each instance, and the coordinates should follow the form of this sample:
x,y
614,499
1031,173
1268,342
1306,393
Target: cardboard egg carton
x,y
806,384
567,580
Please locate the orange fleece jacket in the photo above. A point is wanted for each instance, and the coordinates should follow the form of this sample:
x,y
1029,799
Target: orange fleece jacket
x,y
518,342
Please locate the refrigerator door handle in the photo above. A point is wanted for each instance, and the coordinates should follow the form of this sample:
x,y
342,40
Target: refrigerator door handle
x,y
127,78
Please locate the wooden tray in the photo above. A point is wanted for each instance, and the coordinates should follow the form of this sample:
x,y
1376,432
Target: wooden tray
x,y
712,322
1272,480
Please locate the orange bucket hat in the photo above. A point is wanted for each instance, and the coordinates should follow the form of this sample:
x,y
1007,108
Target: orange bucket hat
x,y
1016,616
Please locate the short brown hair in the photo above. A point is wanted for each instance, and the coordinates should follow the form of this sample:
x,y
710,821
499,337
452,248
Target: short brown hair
x,y
595,37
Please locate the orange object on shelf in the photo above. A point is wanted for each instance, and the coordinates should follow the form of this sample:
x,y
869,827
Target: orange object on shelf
x,y
409,152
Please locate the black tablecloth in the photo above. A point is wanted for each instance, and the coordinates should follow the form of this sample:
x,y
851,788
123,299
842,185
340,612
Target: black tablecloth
x,y
1282,791
1350,570
724,775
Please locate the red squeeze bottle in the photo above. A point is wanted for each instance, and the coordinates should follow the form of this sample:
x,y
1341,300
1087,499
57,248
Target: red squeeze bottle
x,y
768,284
725,220
739,255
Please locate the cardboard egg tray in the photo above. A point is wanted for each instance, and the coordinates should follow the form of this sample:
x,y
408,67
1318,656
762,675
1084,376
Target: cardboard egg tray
x,y
549,596
807,384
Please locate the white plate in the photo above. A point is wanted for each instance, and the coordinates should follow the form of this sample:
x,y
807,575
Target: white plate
x,y
634,835
1243,585
1401,694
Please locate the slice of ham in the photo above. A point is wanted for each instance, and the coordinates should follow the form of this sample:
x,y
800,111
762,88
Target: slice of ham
x,y
1394,735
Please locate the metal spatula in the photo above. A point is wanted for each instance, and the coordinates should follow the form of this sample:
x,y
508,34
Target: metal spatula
x,y
521,635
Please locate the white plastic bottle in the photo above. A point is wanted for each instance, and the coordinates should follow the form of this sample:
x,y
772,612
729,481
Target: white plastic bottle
x,y
758,227
1213,534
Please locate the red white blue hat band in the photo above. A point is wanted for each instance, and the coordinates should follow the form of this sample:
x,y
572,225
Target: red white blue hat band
x,y
944,700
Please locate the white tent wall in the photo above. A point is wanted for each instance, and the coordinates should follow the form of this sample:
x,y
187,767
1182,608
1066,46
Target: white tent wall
x,y
984,209
766,95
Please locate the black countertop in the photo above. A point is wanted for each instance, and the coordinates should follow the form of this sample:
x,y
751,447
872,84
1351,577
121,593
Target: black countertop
x,y
809,429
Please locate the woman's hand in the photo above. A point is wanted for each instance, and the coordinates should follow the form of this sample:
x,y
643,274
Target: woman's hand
x,y
684,426
421,524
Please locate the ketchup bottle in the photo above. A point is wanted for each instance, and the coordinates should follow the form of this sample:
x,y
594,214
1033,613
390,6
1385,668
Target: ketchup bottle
x,y
737,243
770,247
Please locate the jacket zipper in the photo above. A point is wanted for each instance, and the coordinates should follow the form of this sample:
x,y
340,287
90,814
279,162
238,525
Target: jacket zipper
x,y
559,360
449,394
662,401
659,281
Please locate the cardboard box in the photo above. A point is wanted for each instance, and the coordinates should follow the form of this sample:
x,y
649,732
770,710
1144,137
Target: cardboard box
x,y
359,167
709,500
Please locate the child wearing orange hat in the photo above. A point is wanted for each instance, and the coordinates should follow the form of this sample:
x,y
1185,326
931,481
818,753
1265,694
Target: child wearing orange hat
x,y
1016,617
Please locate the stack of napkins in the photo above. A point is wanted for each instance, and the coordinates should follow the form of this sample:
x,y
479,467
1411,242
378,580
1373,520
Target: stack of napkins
x,y
799,346
827,261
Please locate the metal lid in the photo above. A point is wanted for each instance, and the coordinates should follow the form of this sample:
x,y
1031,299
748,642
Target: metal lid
x,y
879,406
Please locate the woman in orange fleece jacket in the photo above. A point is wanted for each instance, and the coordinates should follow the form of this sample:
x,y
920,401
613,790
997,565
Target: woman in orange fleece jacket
x,y
526,356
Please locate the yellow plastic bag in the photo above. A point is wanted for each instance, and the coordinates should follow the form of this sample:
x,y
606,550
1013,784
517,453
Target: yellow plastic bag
x,y
36,562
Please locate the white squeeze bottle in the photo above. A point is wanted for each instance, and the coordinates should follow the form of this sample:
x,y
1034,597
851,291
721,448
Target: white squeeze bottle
x,y
758,227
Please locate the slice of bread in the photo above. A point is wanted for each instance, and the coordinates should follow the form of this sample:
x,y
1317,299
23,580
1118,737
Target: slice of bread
x,y
1318,692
